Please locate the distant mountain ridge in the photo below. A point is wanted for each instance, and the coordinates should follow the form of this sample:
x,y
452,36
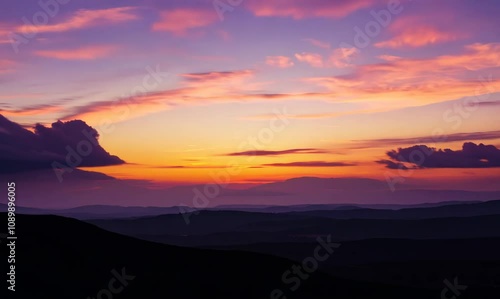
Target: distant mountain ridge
x,y
382,211
100,190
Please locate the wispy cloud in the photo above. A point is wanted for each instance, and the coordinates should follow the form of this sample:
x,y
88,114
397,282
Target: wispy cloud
x,y
278,153
417,37
318,43
86,18
397,77
342,57
310,164
301,9
121,109
189,167
32,110
417,31
217,76
391,80
179,21
472,136
488,103
339,58
279,61
195,87
313,59
85,53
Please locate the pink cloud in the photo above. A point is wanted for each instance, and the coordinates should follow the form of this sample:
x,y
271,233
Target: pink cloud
x,y
342,57
415,31
417,37
318,43
313,59
85,18
180,21
279,61
399,78
85,53
397,81
211,77
392,79
30,111
195,88
300,9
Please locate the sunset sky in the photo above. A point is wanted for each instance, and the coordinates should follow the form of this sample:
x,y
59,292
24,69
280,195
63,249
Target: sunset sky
x,y
282,88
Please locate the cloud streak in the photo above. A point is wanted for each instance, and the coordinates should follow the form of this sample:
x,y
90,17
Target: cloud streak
x,y
85,53
279,61
417,37
181,20
310,164
278,153
32,110
313,59
472,136
416,31
85,18
211,77
301,9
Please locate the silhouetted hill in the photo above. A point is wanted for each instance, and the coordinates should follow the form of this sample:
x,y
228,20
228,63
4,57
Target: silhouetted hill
x,y
205,222
98,211
225,228
65,258
324,207
388,250
401,261
451,210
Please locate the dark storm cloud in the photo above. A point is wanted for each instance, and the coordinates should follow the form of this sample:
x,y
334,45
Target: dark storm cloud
x,y
70,144
421,156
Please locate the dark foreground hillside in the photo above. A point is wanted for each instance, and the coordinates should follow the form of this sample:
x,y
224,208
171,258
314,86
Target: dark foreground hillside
x,y
416,263
64,258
